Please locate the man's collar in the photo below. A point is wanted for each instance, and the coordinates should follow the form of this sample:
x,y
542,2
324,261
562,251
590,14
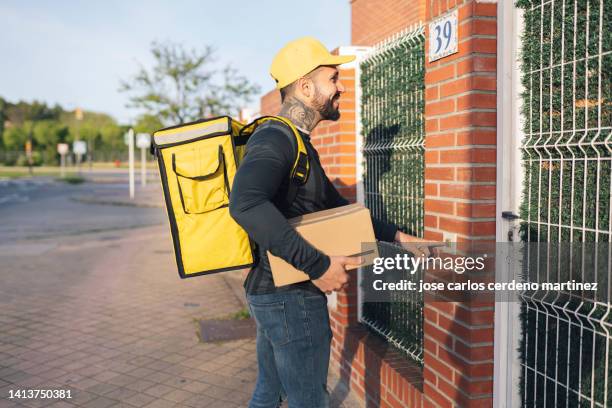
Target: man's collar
x,y
302,130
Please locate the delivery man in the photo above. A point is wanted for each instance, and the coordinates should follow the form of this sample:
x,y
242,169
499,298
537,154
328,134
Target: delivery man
x,y
293,331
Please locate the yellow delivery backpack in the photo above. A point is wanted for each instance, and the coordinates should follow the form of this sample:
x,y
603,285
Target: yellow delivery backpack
x,y
197,164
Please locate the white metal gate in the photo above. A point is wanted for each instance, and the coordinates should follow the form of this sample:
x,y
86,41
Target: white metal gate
x,y
554,186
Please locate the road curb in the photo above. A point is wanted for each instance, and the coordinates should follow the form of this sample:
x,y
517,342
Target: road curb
x,y
98,201
235,280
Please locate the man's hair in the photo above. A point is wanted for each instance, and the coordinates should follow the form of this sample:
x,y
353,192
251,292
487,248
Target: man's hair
x,y
288,90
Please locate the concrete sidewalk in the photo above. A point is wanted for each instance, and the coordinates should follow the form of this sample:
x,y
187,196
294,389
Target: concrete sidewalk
x,y
106,316
118,329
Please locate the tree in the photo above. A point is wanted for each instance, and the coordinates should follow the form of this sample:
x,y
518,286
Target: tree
x,y
112,137
88,126
48,133
100,130
20,112
148,124
14,137
2,119
49,125
181,86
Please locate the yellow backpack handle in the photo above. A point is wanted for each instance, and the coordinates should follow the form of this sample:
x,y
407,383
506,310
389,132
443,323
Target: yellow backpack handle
x,y
301,167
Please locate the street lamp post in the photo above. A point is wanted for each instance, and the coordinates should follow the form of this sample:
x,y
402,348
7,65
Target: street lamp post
x,y
28,149
78,115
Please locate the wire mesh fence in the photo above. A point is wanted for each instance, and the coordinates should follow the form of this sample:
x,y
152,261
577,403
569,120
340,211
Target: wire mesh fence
x,y
392,105
566,68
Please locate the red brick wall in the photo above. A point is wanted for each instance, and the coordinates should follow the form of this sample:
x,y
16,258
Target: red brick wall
x,y
374,20
460,166
460,113
335,141
270,103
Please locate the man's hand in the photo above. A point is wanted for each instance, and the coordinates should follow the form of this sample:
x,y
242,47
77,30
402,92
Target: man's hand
x,y
418,246
335,277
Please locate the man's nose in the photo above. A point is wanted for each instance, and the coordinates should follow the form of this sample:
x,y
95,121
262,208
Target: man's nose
x,y
340,87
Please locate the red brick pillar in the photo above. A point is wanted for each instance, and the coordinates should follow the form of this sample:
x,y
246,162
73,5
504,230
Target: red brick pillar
x,y
460,160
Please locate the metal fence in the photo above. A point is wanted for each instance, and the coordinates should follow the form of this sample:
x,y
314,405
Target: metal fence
x,y
566,156
392,106
50,157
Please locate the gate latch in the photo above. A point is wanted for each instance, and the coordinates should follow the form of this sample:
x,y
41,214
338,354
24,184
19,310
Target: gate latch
x,y
509,215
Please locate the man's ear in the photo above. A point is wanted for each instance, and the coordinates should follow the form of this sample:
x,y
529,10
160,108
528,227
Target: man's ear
x,y
304,87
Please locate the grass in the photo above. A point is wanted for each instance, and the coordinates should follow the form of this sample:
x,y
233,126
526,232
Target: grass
x,y
16,172
124,164
21,174
241,314
72,179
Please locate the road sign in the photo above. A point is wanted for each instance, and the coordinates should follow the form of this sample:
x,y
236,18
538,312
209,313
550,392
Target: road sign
x,y
126,138
62,148
79,147
143,140
443,36
28,147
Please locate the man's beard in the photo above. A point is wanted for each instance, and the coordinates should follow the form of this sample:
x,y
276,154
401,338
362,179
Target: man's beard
x,y
328,111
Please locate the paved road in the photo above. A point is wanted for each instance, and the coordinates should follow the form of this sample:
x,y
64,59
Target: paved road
x,y
41,207
90,301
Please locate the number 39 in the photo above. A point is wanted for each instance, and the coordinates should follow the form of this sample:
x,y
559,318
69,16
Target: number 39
x,y
446,35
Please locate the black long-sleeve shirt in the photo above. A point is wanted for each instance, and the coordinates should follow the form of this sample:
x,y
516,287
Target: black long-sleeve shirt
x,y
259,189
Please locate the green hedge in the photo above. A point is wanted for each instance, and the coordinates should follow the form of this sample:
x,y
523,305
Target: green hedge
x,y
392,107
567,101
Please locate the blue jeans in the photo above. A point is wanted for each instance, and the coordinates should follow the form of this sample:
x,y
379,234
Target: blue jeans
x,y
293,345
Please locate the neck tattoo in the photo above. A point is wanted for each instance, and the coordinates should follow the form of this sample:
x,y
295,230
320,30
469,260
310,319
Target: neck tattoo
x,y
301,115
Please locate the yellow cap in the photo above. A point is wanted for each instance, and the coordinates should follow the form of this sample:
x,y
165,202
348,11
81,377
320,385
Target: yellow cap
x,y
301,56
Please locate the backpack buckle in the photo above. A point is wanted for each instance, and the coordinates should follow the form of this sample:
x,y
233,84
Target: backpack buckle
x,y
301,170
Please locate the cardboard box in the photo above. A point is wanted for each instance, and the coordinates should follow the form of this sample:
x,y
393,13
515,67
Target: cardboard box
x,y
337,231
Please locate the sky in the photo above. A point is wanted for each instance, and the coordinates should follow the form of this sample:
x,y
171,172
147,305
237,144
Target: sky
x,y
75,53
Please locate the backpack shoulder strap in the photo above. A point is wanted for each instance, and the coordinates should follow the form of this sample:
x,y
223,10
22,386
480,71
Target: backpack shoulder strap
x,y
301,167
